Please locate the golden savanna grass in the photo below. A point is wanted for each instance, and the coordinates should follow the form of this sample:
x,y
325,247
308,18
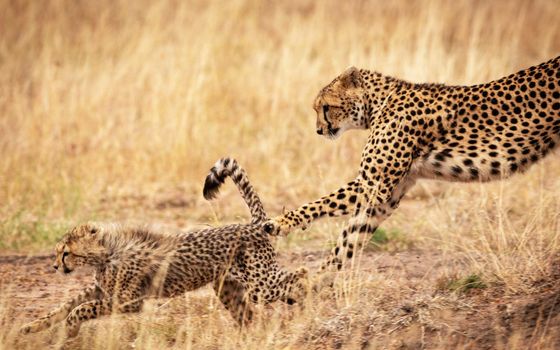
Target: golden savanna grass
x,y
117,109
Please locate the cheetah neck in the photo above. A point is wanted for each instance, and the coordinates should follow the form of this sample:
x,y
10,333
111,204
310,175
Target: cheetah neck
x,y
119,239
379,88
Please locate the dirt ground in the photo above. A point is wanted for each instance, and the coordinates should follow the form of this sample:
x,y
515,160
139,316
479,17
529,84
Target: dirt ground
x,y
403,300
419,317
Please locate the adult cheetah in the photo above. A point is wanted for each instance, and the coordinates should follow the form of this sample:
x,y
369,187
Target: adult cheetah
x,y
456,133
133,263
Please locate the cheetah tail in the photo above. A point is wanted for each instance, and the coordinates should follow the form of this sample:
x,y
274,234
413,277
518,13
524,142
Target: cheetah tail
x,y
228,167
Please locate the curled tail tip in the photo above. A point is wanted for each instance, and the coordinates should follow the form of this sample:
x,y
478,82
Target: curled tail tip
x,y
212,185
217,176
210,190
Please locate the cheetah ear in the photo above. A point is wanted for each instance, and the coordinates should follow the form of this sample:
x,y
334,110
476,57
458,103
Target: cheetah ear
x,y
351,78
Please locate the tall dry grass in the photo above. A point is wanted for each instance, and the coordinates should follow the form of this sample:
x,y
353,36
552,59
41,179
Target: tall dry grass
x,y
110,99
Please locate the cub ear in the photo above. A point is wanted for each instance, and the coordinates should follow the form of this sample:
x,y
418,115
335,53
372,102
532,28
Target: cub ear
x,y
92,228
351,78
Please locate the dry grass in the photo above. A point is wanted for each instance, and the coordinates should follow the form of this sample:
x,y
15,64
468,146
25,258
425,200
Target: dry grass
x,y
117,109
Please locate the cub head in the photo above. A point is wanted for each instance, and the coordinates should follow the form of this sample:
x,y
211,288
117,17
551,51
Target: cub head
x,y
340,106
80,246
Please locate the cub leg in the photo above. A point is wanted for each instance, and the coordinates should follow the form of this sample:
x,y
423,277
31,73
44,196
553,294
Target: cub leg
x,y
61,312
278,284
231,293
95,308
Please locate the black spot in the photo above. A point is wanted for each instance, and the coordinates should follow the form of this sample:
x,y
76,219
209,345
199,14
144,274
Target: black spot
x,y
364,228
457,169
474,172
440,157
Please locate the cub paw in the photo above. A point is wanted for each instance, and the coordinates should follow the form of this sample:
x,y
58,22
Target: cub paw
x,y
33,327
323,281
301,272
25,329
72,331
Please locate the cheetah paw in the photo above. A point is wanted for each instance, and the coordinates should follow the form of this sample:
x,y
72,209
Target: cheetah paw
x,y
323,281
279,226
72,331
32,327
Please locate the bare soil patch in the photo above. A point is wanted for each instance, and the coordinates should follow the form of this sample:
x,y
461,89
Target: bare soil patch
x,y
408,312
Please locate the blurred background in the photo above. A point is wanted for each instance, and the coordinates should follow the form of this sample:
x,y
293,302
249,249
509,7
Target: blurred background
x,y
111,108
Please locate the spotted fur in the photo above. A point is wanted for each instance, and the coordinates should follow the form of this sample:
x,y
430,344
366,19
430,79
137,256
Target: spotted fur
x,y
135,262
473,133
228,167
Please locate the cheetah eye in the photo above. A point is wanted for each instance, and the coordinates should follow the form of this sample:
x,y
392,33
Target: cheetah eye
x,y
65,254
325,110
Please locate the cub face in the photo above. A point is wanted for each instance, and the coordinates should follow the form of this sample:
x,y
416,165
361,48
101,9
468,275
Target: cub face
x,y
79,246
340,105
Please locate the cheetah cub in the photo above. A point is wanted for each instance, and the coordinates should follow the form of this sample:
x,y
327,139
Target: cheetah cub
x,y
133,263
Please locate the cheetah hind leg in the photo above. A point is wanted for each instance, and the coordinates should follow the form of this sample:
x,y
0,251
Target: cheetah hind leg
x,y
232,295
296,287
289,287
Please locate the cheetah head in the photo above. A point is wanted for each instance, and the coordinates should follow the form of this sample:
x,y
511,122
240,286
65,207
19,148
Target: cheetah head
x,y
80,246
340,105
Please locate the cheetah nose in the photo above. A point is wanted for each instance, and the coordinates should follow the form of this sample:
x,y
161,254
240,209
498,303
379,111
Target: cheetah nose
x,y
319,131
55,267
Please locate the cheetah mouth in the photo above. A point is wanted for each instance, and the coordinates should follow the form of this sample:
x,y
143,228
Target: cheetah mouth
x,y
333,133
66,270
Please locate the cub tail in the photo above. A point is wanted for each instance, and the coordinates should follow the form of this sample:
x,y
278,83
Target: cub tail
x,y
229,167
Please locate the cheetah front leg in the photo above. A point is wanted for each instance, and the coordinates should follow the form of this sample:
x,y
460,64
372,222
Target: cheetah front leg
x,y
86,311
358,232
61,312
338,203
95,308
367,218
